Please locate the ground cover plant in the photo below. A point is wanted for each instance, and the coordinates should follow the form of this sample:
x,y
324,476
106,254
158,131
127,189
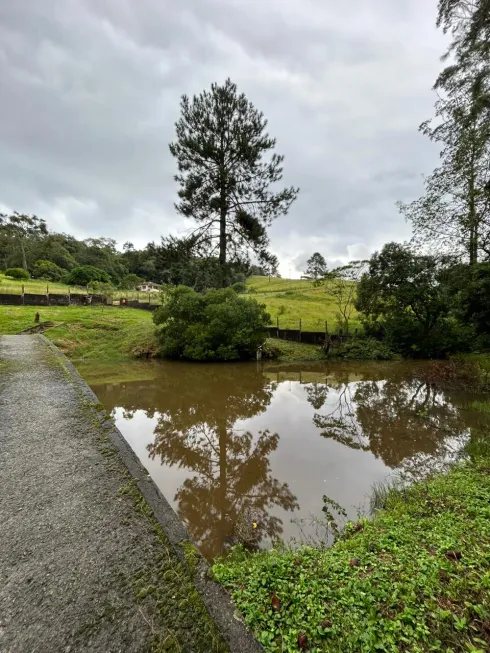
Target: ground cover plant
x,y
416,578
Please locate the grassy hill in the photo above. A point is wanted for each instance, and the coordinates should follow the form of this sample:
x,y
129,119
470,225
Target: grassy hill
x,y
287,299
41,286
293,299
35,286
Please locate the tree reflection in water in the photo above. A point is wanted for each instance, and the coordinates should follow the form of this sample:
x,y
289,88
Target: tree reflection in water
x,y
199,415
233,491
401,420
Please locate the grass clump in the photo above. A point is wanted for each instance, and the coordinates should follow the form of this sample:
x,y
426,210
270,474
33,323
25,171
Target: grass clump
x,y
416,578
286,351
363,349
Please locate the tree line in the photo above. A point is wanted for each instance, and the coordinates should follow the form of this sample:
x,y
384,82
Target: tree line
x,y
26,244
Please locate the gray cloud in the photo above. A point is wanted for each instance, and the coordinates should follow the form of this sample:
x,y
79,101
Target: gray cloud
x,y
90,93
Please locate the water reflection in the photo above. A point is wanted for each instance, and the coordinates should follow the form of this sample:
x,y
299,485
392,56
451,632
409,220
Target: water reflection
x,y
397,419
236,445
233,479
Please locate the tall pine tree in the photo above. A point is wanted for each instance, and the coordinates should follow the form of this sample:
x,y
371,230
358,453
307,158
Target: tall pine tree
x,y
227,173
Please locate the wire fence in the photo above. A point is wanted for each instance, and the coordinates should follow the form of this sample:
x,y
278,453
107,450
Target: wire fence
x,y
115,295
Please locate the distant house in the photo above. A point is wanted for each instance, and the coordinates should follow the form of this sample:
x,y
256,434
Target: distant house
x,y
148,286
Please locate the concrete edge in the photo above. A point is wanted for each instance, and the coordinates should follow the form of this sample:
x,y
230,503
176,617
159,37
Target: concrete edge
x,y
217,602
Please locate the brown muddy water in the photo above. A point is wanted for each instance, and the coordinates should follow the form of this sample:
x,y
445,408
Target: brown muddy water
x,y
247,451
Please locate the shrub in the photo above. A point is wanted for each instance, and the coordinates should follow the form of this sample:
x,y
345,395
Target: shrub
x,y
218,325
84,274
17,273
363,349
239,287
130,281
47,270
101,288
407,337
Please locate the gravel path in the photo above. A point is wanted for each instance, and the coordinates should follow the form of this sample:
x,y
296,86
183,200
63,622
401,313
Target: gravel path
x,y
82,565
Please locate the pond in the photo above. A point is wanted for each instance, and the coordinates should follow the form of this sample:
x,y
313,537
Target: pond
x,y
246,452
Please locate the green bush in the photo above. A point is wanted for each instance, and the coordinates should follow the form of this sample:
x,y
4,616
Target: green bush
x,y
84,274
17,273
239,287
218,325
130,281
363,349
47,270
101,288
406,336
474,300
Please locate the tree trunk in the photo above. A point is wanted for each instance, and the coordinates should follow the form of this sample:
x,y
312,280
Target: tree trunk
x,y
222,236
473,218
24,260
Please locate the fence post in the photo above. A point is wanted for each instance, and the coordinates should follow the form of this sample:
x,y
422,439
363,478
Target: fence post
x,y
277,326
22,294
300,329
149,298
69,296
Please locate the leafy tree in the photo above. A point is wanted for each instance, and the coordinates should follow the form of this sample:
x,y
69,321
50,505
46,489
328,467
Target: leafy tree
x,y
454,212
219,325
474,299
17,273
316,267
47,270
407,295
84,274
225,181
130,281
101,253
18,228
342,287
59,249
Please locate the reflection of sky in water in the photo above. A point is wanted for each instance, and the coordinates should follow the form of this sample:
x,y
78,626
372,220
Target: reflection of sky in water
x,y
379,421
310,464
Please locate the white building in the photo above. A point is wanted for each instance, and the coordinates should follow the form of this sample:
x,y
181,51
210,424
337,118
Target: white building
x,y
148,286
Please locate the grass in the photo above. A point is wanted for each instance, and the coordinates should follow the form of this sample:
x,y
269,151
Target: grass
x,y
290,300
88,332
415,578
36,286
40,287
294,352
111,333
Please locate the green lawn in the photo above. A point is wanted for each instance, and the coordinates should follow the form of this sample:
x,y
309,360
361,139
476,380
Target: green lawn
x,y
293,299
91,332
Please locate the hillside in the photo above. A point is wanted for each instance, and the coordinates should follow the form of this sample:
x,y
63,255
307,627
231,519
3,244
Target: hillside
x,y
287,299
293,299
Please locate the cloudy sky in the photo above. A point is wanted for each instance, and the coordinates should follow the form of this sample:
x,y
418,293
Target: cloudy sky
x,y
90,93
